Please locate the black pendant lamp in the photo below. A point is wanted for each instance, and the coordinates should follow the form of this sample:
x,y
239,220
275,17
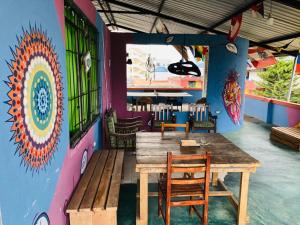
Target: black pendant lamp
x,y
184,68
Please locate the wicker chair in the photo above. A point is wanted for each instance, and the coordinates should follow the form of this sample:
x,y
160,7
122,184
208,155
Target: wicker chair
x,y
125,122
120,137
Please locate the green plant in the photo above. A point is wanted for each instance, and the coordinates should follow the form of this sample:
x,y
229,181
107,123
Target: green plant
x,y
275,82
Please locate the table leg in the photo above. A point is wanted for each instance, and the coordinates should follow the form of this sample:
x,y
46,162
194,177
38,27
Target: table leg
x,y
143,199
214,179
242,210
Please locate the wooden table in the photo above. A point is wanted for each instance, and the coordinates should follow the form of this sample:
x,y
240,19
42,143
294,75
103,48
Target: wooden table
x,y
151,155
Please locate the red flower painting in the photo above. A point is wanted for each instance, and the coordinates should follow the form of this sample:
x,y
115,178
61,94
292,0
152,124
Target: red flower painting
x,y
232,97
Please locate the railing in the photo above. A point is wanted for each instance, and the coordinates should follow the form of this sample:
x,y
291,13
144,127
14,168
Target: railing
x,y
273,111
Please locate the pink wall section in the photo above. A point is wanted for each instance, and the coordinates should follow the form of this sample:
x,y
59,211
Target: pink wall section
x,y
118,69
88,9
106,85
70,174
294,116
70,171
118,77
59,5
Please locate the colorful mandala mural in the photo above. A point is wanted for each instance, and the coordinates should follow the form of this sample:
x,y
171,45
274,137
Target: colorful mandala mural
x,y
35,98
232,97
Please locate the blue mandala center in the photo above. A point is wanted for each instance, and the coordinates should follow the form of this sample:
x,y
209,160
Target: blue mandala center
x,y
41,98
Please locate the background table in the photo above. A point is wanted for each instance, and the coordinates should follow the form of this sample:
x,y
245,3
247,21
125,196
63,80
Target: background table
x,y
157,94
151,155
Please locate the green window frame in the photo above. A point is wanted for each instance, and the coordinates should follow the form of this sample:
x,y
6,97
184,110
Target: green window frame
x,y
83,87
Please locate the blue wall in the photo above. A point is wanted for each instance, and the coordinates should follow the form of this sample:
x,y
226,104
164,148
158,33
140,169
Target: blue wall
x,y
279,113
257,108
24,194
221,62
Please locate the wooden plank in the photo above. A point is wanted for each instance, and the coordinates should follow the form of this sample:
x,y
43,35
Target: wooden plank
x,y
211,194
284,141
242,211
214,179
289,136
83,183
101,196
89,196
143,218
288,131
104,217
113,195
81,218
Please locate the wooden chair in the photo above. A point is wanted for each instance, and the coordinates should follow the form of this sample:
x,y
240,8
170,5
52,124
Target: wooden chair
x,y
143,102
201,118
119,137
175,125
186,191
125,122
162,113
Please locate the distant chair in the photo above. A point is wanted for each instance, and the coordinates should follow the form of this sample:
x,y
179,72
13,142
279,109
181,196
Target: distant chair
x,y
128,121
161,113
175,101
174,126
143,102
186,191
201,118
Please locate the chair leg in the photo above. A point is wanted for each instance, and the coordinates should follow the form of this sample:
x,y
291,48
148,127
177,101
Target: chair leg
x,y
191,210
205,214
159,202
168,214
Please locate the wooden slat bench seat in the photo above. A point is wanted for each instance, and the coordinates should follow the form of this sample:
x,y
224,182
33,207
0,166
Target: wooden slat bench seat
x,y
95,199
289,136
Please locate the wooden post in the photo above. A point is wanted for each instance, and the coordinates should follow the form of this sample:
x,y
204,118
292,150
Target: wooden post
x,y
242,211
214,179
292,80
143,199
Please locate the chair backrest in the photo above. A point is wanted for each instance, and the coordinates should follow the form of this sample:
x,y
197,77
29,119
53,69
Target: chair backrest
x,y
189,164
110,123
175,125
162,112
199,111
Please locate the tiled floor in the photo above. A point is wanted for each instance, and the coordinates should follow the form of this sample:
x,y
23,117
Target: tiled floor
x,y
274,196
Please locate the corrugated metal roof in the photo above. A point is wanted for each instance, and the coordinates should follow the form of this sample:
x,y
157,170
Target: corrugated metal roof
x,y
206,13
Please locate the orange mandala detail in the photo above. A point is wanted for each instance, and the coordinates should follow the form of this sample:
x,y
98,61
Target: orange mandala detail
x,y
35,98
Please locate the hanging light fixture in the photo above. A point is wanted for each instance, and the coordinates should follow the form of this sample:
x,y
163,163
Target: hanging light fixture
x,y
270,19
184,68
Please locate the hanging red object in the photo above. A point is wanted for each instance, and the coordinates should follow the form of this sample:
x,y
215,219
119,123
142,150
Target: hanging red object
x,y
297,71
259,8
261,57
236,23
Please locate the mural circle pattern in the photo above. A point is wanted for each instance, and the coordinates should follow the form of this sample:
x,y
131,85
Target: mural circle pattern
x,y
35,98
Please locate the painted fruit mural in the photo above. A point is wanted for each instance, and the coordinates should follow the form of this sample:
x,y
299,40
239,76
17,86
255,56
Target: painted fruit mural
x,y
232,97
35,98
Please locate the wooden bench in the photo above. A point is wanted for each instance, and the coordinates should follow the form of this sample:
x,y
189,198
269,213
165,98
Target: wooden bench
x,y
289,136
95,199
